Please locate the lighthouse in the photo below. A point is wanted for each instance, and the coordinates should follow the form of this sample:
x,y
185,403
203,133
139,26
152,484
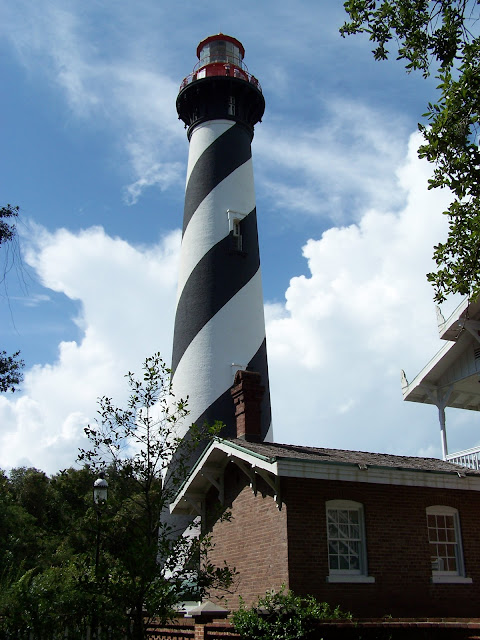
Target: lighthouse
x,y
219,320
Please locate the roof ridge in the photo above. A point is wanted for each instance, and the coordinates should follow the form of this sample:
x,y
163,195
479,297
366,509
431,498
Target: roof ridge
x,y
351,456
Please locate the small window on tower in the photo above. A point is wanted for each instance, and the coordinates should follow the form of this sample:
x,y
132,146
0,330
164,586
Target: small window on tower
x,y
231,105
237,236
235,229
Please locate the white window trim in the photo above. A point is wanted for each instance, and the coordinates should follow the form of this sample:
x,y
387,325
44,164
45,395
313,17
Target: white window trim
x,y
450,577
332,578
234,215
358,576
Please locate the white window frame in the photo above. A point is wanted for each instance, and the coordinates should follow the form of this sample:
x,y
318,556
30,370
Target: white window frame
x,y
349,575
439,575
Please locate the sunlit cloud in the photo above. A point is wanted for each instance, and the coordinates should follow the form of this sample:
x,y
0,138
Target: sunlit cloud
x,y
126,314
365,311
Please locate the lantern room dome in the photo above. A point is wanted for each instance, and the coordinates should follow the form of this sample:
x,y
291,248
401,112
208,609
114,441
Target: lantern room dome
x,y
221,48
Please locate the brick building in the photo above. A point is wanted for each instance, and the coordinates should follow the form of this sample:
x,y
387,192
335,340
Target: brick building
x,y
377,534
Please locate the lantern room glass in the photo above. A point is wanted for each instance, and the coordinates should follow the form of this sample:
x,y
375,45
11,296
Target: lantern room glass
x,y
220,51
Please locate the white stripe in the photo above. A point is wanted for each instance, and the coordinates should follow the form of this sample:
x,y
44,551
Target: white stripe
x,y
209,223
202,137
233,335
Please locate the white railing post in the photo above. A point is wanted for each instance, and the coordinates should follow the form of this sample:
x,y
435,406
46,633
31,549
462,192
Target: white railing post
x,y
469,458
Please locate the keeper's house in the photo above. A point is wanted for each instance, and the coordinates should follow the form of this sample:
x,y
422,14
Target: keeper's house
x,y
377,534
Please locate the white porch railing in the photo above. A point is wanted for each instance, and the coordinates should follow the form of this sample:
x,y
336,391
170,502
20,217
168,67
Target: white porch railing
x,y
469,458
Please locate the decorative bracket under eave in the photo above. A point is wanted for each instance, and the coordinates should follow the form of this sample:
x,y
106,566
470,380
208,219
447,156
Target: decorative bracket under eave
x,y
251,471
196,502
248,471
273,482
472,326
217,480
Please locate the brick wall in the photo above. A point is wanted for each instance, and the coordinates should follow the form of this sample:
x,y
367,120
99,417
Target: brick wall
x,y
397,548
254,541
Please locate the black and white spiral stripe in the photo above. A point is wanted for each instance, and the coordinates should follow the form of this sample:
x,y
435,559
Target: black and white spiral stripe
x,y
219,318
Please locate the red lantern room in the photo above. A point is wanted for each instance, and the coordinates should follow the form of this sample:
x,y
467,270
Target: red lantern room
x,y
220,55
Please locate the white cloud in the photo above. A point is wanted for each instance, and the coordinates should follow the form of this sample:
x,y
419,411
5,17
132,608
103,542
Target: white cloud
x,y
127,299
365,312
336,168
162,175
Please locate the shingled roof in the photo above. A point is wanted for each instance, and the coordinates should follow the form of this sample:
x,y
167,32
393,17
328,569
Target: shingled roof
x,y
274,451
272,460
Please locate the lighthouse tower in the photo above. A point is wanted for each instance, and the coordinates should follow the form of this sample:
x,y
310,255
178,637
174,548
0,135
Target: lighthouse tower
x,y
219,322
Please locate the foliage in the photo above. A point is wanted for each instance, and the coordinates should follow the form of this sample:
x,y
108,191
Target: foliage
x,y
8,229
50,529
442,35
39,569
140,443
10,365
283,616
10,371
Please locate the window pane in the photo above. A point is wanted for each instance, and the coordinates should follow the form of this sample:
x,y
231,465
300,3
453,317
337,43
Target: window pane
x,y
354,547
353,516
451,535
333,548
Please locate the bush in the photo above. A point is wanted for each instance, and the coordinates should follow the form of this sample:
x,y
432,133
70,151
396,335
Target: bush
x,y
283,616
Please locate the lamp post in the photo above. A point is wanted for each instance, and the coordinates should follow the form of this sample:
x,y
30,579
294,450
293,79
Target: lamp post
x,y
100,492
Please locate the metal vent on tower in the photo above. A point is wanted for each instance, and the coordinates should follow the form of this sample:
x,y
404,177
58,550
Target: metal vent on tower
x,y
219,316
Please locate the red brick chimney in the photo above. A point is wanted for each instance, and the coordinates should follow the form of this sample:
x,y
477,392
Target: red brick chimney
x,y
247,393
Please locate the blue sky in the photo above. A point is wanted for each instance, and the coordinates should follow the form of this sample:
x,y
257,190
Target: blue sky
x,y
95,156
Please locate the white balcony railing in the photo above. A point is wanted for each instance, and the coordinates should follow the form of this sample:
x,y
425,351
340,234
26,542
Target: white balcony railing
x,y
469,458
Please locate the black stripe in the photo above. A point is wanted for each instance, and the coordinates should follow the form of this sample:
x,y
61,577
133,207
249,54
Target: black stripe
x,y
259,363
219,160
215,280
223,409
